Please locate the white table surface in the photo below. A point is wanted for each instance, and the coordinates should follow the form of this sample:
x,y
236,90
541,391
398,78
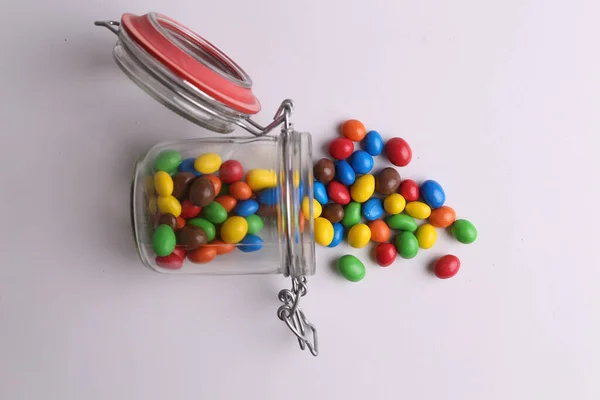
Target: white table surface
x,y
500,101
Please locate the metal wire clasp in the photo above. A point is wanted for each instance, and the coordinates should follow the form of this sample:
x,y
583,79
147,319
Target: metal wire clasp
x,y
294,317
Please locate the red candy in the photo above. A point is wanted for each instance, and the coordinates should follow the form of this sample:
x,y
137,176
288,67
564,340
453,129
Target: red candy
x,y
189,210
338,193
447,266
231,171
341,148
172,261
398,152
179,251
385,254
409,190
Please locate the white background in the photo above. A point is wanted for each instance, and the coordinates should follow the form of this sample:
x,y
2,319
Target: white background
x,y
500,101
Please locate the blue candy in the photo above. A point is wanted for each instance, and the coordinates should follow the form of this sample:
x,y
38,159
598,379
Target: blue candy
x,y
373,143
344,173
301,191
432,193
361,162
187,165
338,234
246,207
251,243
268,196
372,209
320,193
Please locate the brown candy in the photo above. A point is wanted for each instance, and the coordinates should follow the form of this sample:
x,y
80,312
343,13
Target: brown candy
x,y
168,219
333,212
181,183
266,211
387,181
324,171
202,191
191,237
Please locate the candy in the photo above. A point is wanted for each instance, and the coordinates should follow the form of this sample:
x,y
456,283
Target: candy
x,y
398,152
255,223
351,215
344,173
179,252
380,232
306,208
251,243
442,217
385,254
202,255
191,237
402,222
464,231
207,163
333,212
221,247
268,196
234,229
407,245
351,268
409,190
202,191
354,130
261,179
207,226
338,193
172,261
240,191
187,165
163,183
338,235
224,190
246,207
324,171
320,193
359,236
373,143
231,171
215,213
228,202
216,183
361,162
372,209
446,266
168,219
266,211
363,188
341,148
163,240
394,204
181,184
169,205
167,160
189,209
418,210
180,223
323,231
432,193
387,181
426,236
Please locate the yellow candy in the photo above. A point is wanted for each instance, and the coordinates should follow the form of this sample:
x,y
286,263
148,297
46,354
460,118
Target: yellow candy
x,y
261,179
169,205
363,188
359,236
418,210
317,209
163,183
296,179
208,163
152,205
394,203
426,236
234,229
323,231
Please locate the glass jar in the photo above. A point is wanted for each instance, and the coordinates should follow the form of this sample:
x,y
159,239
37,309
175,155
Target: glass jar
x,y
184,220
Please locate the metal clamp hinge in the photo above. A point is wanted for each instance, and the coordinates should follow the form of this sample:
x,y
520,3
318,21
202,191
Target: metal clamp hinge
x,y
294,317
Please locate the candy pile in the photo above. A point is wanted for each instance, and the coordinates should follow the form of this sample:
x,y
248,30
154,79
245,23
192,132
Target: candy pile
x,y
351,201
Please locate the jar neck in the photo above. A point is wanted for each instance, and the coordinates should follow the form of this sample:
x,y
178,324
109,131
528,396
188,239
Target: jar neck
x,y
295,182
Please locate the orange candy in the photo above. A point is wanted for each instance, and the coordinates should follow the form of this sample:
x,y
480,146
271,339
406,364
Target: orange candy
x,y
202,254
301,222
221,247
240,190
228,202
380,232
216,183
354,130
442,217
180,223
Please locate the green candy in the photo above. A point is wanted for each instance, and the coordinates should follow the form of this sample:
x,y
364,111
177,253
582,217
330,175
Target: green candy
x,y
407,245
167,160
402,222
215,213
351,215
224,190
464,231
207,226
163,240
255,224
351,268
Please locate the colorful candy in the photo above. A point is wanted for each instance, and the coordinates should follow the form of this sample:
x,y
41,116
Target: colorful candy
x,y
216,183
320,193
402,222
240,190
359,236
207,226
234,229
215,213
338,235
385,254
373,143
344,173
351,215
172,261
251,243
231,171
341,148
351,268
409,190
426,236
442,217
261,179
338,193
221,247
398,152
168,219
163,240
387,181
407,245
317,209
169,205
446,266
363,188
324,171
361,162
187,165
202,191
323,231
464,231
246,207
269,196
372,209
167,160
380,232
191,237
202,255
228,202
394,204
433,194
418,210
163,183
181,185
333,212
255,224
189,209
207,163
354,130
